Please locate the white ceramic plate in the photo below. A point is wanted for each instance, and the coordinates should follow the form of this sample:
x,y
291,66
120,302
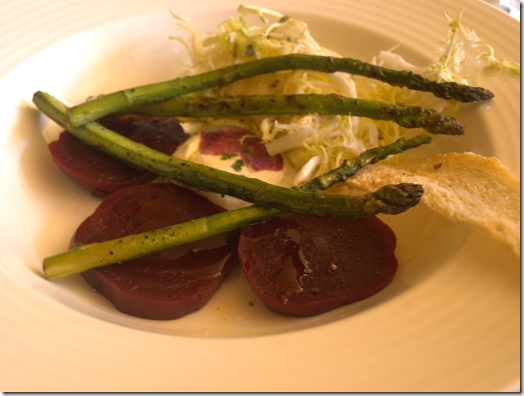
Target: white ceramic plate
x,y
449,321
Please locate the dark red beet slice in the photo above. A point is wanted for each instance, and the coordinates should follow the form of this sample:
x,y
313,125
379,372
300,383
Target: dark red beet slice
x,y
304,266
218,140
167,284
101,174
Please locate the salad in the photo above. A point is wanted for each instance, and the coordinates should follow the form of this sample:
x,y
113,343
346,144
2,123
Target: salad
x,y
312,145
315,144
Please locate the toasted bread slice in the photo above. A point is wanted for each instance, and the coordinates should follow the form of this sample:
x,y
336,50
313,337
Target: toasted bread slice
x,y
463,187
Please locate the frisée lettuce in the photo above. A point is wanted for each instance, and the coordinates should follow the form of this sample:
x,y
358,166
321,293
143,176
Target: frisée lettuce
x,y
315,144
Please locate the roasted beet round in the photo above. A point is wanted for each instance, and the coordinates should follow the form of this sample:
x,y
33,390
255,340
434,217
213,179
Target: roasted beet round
x,y
304,266
101,174
164,285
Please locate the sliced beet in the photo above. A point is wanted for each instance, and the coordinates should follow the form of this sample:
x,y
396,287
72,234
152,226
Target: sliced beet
x,y
219,140
101,174
167,284
304,266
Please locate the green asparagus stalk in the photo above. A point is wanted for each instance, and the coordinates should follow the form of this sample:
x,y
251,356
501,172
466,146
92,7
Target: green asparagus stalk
x,y
332,104
95,255
214,180
114,102
368,157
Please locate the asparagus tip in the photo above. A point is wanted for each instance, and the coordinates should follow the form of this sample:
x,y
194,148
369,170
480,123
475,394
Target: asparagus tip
x,y
395,199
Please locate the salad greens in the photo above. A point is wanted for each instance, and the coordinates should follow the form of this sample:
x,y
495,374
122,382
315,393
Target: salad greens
x,y
321,143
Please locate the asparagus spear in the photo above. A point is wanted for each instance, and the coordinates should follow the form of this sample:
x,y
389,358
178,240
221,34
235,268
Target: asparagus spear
x,y
368,157
210,179
82,258
114,102
85,257
95,255
406,116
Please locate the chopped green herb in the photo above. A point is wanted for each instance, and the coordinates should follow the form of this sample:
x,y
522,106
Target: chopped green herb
x,y
238,165
227,156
